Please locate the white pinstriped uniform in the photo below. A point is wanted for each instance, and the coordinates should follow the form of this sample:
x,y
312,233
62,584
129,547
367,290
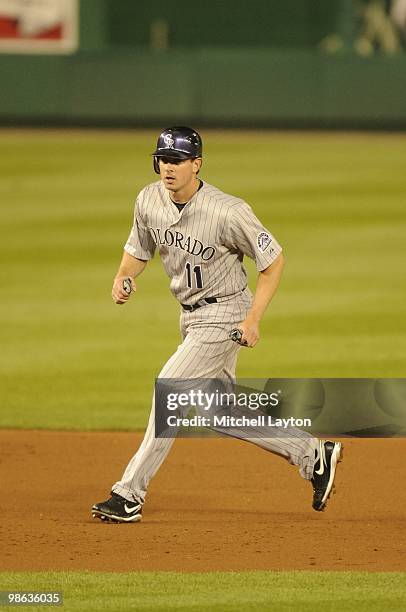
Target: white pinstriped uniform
x,y
202,249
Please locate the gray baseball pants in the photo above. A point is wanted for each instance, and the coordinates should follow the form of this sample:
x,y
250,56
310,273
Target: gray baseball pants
x,y
208,352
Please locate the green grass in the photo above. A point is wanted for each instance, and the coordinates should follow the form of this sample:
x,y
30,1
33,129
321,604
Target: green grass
x,y
70,358
220,591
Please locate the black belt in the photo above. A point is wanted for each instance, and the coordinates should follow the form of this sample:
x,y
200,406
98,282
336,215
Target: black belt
x,y
202,302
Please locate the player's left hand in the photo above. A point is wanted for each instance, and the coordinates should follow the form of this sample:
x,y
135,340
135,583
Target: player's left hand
x,y
250,332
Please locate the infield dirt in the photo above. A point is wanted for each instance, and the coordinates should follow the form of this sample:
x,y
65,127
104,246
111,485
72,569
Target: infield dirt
x,y
216,504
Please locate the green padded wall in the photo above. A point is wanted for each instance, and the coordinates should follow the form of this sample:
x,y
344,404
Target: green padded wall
x,y
207,86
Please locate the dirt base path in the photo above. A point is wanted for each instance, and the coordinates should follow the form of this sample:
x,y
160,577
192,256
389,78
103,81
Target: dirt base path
x,y
216,504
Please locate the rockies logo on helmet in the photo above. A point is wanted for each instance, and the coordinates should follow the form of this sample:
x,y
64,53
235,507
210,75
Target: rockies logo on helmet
x,y
169,141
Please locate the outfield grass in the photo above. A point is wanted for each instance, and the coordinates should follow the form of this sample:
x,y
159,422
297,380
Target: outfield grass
x,y
72,359
220,591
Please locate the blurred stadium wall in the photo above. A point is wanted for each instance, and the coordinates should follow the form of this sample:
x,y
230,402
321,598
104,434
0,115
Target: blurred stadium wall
x,y
256,63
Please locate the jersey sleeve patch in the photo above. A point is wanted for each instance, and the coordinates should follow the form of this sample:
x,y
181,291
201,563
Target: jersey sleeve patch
x,y
263,241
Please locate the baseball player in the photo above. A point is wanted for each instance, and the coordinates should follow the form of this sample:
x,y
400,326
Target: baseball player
x,y
202,235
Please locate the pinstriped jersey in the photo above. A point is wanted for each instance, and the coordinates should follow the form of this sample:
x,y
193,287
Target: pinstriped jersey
x,y
202,246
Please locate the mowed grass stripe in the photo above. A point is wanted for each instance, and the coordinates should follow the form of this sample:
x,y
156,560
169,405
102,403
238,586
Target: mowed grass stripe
x,y
229,591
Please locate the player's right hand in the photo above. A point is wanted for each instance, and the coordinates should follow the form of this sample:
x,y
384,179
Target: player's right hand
x,y
119,293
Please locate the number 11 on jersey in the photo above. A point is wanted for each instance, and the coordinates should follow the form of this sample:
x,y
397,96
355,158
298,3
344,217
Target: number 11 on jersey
x,y
197,271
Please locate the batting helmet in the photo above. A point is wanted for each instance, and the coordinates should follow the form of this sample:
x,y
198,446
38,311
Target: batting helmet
x,y
178,143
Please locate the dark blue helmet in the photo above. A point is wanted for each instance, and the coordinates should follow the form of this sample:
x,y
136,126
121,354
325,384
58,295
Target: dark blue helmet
x,y
179,143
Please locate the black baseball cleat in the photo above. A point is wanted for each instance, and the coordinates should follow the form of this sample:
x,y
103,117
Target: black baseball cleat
x,y
328,456
117,509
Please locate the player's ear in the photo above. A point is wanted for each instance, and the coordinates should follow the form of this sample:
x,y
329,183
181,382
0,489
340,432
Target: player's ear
x,y
197,164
